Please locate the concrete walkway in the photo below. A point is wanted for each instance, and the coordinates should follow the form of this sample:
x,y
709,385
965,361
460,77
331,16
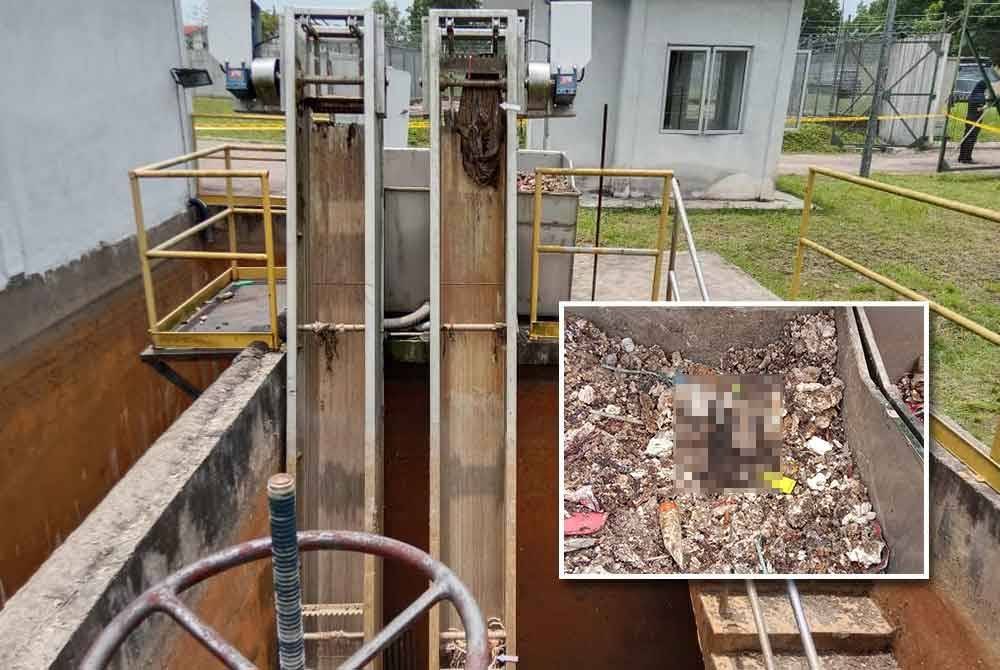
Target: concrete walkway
x,y
629,277
901,161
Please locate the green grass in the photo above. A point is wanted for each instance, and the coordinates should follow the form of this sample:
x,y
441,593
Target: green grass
x,y
951,258
815,138
231,129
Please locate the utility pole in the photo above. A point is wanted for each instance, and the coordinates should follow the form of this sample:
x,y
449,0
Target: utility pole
x,y
883,68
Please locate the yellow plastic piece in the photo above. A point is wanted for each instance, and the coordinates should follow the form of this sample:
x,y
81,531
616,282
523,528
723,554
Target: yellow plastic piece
x,y
779,481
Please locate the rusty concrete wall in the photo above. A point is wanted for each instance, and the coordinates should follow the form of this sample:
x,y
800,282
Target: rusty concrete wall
x,y
77,406
888,456
198,489
965,535
561,624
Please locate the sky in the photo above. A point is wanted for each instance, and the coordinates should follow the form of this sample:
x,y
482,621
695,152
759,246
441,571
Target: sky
x,y
191,7
851,6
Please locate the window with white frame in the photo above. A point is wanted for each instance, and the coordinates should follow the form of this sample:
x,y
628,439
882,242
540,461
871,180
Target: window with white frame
x,y
705,89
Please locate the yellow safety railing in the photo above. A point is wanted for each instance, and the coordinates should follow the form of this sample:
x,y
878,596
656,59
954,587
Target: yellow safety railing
x,y
550,329
161,330
231,153
964,446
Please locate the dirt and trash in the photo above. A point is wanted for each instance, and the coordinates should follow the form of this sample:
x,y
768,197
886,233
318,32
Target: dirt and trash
x,y
551,183
911,388
619,459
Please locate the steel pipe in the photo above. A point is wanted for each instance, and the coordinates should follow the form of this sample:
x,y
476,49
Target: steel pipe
x,y
761,625
953,205
808,646
692,251
608,251
197,228
963,321
675,293
419,315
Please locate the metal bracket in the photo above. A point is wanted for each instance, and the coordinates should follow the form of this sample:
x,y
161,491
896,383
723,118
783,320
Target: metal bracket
x,y
157,359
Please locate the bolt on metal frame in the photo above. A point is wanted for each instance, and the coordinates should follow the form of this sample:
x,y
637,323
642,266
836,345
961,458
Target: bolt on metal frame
x,y
161,329
959,443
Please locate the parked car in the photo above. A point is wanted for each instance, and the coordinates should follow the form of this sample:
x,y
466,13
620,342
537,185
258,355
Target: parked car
x,y
968,76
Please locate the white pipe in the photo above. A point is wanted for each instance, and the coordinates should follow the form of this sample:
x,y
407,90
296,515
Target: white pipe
x,y
413,318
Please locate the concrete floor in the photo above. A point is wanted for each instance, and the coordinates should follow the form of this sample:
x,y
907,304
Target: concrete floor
x,y
901,161
629,277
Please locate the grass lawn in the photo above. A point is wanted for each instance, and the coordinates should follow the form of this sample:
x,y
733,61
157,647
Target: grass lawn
x,y
815,138
249,129
953,259
230,129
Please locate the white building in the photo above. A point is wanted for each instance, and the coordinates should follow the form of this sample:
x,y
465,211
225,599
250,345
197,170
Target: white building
x,y
700,86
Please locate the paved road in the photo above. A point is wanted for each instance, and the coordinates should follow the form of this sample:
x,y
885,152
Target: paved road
x,y
629,278
903,161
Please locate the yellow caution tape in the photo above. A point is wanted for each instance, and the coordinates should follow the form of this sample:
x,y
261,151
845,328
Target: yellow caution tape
x,y
779,481
239,123
882,117
239,127
995,129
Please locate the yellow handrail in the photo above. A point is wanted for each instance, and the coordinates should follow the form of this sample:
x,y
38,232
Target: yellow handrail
x,y
161,330
549,330
963,446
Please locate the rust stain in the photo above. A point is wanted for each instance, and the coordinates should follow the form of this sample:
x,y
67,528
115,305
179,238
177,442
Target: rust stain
x,y
238,604
77,409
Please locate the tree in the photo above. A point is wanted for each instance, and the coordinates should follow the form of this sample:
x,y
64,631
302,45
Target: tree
x,y
820,16
927,16
395,27
420,8
269,24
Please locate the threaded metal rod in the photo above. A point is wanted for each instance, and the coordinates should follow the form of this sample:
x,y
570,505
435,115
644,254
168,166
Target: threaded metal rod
x,y
287,580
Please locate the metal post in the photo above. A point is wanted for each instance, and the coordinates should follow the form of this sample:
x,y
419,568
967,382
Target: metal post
x,y
536,234
699,276
661,237
140,237
600,202
761,625
272,289
231,218
793,294
880,74
287,578
290,37
800,616
672,263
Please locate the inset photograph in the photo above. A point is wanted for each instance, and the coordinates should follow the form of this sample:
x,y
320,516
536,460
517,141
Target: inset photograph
x,y
723,440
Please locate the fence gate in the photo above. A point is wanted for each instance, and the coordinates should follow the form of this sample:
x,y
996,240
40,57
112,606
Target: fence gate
x,y
914,89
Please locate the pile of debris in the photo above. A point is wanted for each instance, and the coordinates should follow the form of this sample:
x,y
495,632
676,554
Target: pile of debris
x,y
911,388
551,183
622,511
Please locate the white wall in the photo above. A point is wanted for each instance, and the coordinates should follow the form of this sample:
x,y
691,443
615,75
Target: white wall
x,y
87,96
628,68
